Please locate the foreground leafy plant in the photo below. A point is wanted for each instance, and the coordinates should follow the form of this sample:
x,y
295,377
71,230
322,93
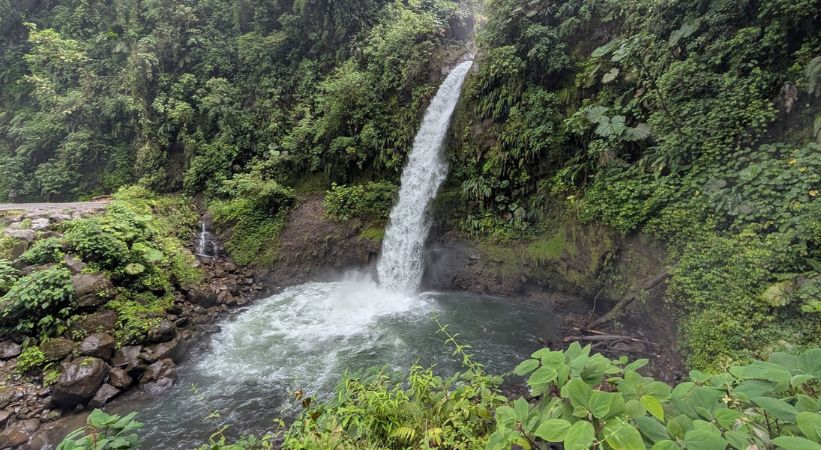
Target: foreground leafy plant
x,y
586,401
104,432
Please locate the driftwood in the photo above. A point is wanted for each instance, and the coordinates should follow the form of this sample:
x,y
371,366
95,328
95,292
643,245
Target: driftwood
x,y
606,338
622,304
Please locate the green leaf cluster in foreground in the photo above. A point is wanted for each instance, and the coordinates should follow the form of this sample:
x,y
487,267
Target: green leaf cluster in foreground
x,y
578,399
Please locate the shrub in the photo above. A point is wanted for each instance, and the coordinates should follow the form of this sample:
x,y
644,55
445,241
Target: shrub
x,y
38,304
95,244
104,432
44,251
8,276
372,200
31,358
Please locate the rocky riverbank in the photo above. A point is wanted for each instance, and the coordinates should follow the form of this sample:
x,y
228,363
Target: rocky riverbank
x,y
86,367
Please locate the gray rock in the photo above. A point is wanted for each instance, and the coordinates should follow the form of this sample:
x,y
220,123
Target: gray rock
x,y
159,376
18,249
103,395
119,378
56,349
99,322
4,415
202,297
21,235
91,289
74,264
172,349
128,358
40,223
18,433
163,332
99,345
9,349
79,382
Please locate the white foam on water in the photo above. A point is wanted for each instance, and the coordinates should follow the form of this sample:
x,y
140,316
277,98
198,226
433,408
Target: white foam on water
x,y
306,333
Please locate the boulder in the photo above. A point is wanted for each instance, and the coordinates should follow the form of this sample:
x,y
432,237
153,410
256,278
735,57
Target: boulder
x,y
102,321
21,235
40,223
9,394
18,248
9,349
202,297
18,433
74,264
159,376
128,359
79,382
56,349
162,332
172,349
119,378
91,289
103,395
99,345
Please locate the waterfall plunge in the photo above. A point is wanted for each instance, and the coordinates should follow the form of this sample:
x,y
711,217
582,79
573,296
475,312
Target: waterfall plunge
x,y
400,267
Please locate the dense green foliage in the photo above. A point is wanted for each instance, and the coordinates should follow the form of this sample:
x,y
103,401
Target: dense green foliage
x,y
372,200
578,399
38,304
138,243
179,95
692,120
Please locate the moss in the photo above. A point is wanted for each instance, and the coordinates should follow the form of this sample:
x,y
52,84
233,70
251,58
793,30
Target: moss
x,y
137,313
374,234
51,375
548,249
6,246
254,236
508,258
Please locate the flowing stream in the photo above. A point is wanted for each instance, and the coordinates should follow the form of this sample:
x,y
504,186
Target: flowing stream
x,y
307,336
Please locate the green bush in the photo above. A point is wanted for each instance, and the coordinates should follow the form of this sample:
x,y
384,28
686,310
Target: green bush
x,y
372,200
96,244
38,304
44,251
8,276
31,358
104,432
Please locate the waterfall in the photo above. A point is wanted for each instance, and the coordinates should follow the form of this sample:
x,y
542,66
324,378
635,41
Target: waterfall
x,y
206,242
400,267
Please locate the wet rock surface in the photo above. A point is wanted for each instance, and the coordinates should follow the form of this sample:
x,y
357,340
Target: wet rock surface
x,y
99,345
79,382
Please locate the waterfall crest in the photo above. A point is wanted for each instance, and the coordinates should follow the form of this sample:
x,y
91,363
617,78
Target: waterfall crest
x,y
400,267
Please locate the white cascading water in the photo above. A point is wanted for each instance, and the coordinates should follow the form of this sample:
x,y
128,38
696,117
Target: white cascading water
x,y
400,267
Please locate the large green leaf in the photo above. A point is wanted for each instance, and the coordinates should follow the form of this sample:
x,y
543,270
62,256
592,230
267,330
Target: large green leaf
x,y
577,391
666,445
621,435
600,403
796,443
810,424
542,375
652,428
580,436
553,430
653,406
778,408
526,366
810,362
738,439
704,440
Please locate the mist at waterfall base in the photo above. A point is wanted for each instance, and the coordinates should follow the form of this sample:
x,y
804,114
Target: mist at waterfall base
x,y
306,337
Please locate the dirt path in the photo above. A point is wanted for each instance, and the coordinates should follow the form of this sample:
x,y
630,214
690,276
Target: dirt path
x,y
55,208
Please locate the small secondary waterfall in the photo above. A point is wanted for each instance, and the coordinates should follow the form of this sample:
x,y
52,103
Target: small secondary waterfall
x,y
400,267
207,245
